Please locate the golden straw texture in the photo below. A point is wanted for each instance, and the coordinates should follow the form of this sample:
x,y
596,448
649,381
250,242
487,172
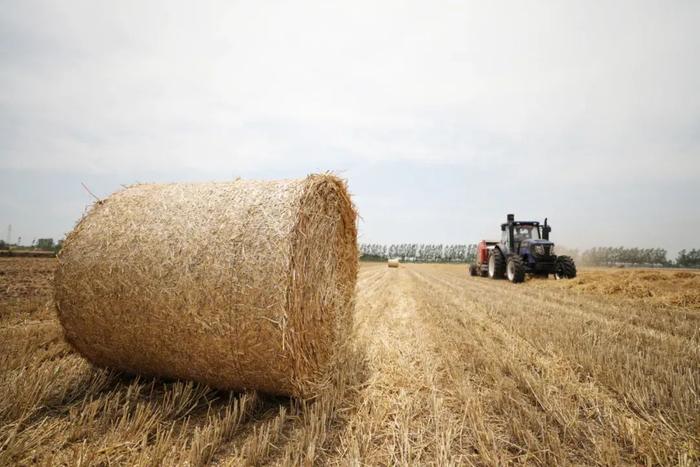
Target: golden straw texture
x,y
393,263
240,285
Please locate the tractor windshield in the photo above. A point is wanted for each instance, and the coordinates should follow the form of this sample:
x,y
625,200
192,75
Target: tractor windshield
x,y
526,232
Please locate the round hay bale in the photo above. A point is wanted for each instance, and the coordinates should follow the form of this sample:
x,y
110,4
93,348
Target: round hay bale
x,y
393,263
240,285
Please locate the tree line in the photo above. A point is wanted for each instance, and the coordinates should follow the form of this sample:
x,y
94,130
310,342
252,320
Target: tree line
x,y
611,256
419,252
689,259
43,244
616,256
463,253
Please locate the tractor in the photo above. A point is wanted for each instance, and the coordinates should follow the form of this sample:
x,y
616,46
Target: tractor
x,y
524,249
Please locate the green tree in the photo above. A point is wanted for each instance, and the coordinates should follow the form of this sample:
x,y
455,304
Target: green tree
x,y
45,244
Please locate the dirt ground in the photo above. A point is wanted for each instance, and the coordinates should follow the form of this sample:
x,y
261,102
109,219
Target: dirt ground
x,y
447,370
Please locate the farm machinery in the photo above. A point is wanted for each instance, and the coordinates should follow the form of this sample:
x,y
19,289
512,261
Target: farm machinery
x,y
524,248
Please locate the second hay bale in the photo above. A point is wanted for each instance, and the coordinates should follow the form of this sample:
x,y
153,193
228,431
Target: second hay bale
x,y
246,284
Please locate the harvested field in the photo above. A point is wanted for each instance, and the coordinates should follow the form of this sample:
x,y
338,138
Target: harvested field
x,y
448,369
659,287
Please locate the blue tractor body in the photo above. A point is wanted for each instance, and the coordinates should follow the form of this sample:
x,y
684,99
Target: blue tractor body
x,y
525,248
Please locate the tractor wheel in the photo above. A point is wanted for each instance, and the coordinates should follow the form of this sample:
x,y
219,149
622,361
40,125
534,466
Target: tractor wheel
x,y
472,270
483,273
497,264
515,269
565,268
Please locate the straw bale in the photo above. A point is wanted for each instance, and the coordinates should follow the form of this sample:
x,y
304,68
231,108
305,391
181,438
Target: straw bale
x,y
240,285
393,263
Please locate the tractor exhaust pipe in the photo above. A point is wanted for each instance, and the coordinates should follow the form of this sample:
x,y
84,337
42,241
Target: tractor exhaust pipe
x,y
511,218
545,230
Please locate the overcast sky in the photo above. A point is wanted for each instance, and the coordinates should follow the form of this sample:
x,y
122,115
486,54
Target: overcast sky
x,y
443,116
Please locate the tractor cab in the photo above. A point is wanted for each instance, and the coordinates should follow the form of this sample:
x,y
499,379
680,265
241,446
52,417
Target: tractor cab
x,y
522,231
526,238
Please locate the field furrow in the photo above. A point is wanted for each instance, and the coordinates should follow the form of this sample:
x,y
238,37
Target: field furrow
x,y
530,344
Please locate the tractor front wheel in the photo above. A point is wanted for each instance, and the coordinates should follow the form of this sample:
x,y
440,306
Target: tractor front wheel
x,y
565,268
472,269
497,264
515,270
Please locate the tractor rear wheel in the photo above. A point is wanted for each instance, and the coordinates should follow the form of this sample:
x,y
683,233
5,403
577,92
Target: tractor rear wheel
x,y
515,269
497,264
565,268
472,270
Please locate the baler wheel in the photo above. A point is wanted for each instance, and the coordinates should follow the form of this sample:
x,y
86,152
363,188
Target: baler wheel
x,y
497,264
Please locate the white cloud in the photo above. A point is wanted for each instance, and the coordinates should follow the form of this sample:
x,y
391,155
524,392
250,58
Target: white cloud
x,y
131,84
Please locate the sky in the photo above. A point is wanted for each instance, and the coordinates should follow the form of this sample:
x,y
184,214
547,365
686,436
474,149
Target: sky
x,y
443,116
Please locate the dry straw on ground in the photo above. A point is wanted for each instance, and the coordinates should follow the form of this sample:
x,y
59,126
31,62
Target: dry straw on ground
x,y
454,370
246,284
659,287
393,263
